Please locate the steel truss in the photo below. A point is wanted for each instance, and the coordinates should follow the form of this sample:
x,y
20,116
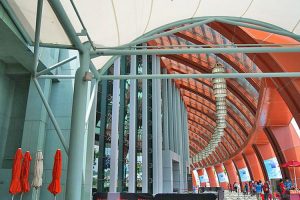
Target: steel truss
x,y
88,51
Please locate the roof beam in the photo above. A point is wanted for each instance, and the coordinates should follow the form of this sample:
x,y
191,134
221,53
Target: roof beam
x,y
66,24
185,76
228,50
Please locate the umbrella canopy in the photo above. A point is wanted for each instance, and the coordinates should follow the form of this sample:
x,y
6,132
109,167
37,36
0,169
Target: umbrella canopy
x,y
15,184
55,187
25,172
38,170
292,163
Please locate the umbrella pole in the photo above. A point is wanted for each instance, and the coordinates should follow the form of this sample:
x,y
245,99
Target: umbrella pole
x,y
36,194
21,196
295,178
12,197
54,197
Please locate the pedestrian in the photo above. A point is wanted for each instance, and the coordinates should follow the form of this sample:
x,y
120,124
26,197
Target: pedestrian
x,y
238,188
258,190
282,190
266,189
254,188
235,186
251,187
288,184
229,187
246,188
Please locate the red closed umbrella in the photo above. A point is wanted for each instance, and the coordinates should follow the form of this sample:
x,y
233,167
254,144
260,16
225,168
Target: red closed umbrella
x,y
15,184
55,187
25,173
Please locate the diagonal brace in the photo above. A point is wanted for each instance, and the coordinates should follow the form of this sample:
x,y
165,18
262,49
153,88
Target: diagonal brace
x,y
55,124
94,70
37,35
46,71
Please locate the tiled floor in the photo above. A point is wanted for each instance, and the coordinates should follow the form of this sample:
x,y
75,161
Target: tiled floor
x,y
238,196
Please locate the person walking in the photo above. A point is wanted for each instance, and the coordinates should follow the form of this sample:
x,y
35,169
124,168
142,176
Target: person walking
x,y
288,184
282,190
229,187
258,190
266,189
246,188
254,188
235,186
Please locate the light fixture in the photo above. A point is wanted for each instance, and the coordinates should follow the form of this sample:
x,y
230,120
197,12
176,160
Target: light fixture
x,y
222,120
219,81
218,69
220,93
220,102
214,142
223,113
218,129
221,117
220,99
219,86
221,107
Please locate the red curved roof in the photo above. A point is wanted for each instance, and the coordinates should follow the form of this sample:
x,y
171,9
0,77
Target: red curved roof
x,y
253,104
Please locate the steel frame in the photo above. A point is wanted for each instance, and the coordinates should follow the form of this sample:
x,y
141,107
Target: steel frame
x,y
227,50
36,83
159,32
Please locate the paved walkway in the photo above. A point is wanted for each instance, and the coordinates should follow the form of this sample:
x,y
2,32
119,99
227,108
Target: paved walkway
x,y
237,196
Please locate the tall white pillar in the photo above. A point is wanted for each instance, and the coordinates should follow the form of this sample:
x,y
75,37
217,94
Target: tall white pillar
x,y
132,128
115,129
175,123
88,172
180,142
145,129
171,115
157,129
165,113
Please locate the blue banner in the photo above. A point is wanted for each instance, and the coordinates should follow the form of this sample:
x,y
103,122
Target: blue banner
x,y
273,168
204,177
222,177
244,174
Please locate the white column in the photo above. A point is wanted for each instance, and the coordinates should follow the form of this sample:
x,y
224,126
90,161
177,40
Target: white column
x,y
115,129
184,146
157,128
145,129
132,128
165,113
175,123
159,118
180,142
88,181
171,115
85,143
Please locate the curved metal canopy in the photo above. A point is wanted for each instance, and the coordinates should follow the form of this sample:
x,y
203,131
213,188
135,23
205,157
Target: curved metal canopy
x,y
113,23
109,23
117,22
